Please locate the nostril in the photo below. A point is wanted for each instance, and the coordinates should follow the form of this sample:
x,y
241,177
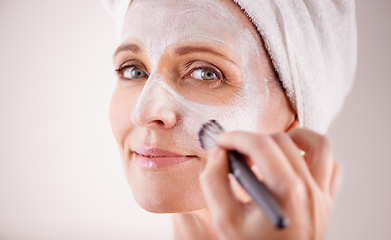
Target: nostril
x,y
159,122
155,122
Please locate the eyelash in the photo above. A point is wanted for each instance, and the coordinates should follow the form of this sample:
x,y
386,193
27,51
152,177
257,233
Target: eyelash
x,y
123,67
218,74
201,66
120,70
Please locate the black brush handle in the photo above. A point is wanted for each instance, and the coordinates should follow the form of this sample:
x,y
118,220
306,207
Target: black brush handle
x,y
257,190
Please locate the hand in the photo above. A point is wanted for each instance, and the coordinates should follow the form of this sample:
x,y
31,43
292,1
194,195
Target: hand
x,y
304,185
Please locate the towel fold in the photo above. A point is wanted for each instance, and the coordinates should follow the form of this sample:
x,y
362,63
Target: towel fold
x,y
312,45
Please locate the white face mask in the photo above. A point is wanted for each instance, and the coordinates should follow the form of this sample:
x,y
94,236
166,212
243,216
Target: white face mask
x,y
191,21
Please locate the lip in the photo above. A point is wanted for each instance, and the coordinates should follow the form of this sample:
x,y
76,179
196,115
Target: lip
x,y
154,158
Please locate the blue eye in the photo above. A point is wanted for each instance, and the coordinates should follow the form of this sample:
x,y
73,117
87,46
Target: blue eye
x,y
132,72
204,74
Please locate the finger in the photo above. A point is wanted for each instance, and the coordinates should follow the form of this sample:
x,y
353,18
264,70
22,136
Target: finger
x,y
266,155
293,155
223,205
318,153
336,180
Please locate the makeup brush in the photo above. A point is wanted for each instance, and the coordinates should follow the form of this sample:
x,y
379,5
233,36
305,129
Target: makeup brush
x,y
242,172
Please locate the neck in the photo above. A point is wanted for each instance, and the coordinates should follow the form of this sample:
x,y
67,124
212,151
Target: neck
x,y
194,225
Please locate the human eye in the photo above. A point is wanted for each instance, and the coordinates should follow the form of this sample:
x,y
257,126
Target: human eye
x,y
205,74
131,72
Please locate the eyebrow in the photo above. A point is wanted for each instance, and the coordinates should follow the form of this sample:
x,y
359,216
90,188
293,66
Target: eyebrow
x,y
179,51
127,47
190,49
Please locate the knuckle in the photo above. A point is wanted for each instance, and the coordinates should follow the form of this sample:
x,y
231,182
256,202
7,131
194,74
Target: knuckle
x,y
297,192
324,143
317,195
253,141
298,189
319,200
280,137
261,140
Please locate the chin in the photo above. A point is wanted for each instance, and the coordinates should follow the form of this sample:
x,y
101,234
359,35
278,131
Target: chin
x,y
168,200
171,190
162,206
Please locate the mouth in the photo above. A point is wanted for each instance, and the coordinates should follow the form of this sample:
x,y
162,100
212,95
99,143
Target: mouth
x,y
155,158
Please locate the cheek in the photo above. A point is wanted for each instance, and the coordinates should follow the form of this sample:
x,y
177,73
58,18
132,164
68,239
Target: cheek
x,y
119,114
280,114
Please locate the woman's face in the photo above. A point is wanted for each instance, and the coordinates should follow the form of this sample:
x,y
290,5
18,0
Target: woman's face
x,y
180,64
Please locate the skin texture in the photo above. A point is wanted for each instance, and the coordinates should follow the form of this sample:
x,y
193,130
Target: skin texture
x,y
158,110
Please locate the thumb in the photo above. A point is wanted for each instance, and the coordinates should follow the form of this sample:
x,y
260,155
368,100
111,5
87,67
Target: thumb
x,y
223,205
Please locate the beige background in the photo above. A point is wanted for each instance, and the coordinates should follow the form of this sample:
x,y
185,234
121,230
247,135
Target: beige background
x,y
60,174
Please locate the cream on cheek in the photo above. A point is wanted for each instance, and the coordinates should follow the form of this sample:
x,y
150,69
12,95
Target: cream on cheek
x,y
207,21
160,99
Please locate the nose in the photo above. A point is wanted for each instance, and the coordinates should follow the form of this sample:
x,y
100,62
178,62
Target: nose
x,y
155,107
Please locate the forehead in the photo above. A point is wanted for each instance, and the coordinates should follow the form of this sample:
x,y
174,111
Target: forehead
x,y
168,21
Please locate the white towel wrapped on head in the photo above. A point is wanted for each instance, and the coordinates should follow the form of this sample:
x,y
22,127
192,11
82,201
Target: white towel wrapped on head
x,y
313,47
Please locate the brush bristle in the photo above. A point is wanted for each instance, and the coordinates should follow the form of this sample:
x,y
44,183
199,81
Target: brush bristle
x,y
208,133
